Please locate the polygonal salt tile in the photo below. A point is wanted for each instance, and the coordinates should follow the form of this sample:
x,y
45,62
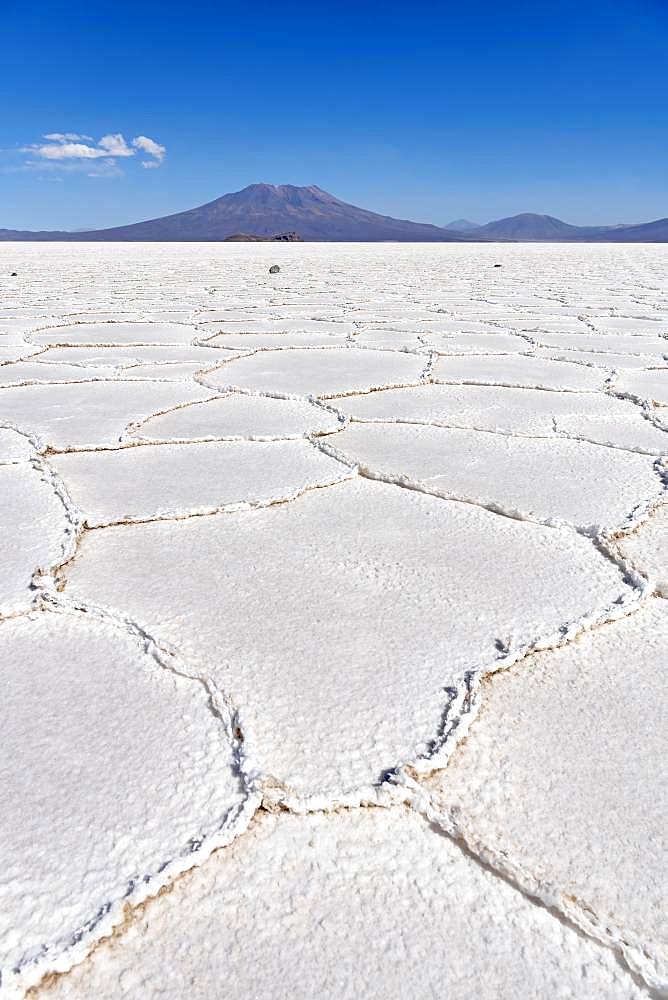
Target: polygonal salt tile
x,y
29,372
274,341
650,386
594,488
176,480
557,784
16,352
518,370
14,446
595,417
340,622
90,414
115,775
277,325
476,343
647,549
239,415
368,903
550,324
171,371
319,372
630,325
129,355
116,333
34,532
597,359
389,340
600,342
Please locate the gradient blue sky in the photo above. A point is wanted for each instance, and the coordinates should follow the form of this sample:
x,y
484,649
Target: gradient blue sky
x,y
424,111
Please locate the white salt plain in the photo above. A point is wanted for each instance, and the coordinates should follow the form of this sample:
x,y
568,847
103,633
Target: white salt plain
x,y
333,621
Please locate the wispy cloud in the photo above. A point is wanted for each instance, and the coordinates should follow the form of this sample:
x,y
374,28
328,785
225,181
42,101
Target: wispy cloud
x,y
67,137
69,148
47,168
151,147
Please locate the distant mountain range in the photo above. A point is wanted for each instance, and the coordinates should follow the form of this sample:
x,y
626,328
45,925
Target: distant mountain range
x,y
309,213
462,225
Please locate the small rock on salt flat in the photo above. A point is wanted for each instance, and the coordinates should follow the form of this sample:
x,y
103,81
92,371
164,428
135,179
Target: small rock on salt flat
x,y
595,417
557,783
647,548
90,414
116,333
368,903
339,659
33,532
238,415
589,486
518,370
113,770
175,480
319,372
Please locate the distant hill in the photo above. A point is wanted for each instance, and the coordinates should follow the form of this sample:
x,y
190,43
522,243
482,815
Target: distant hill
x,y
462,225
529,227
647,232
262,210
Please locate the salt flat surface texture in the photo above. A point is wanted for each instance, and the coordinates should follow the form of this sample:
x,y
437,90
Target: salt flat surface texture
x,y
538,783
386,528
370,903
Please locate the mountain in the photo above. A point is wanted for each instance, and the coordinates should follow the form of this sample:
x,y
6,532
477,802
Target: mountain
x,y
545,228
529,227
647,232
262,210
462,226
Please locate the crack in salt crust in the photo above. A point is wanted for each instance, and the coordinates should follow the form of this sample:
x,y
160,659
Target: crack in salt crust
x,y
398,318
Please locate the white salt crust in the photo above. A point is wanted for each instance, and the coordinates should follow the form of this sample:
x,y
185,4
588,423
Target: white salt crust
x,y
334,647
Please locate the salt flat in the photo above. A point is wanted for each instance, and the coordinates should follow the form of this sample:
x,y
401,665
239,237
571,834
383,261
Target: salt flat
x,y
332,621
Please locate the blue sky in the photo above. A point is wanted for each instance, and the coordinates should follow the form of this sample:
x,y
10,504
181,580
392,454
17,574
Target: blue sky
x,y
424,111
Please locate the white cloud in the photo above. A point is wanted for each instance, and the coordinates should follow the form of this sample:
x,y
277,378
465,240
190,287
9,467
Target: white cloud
x,y
67,137
115,145
67,150
151,147
69,146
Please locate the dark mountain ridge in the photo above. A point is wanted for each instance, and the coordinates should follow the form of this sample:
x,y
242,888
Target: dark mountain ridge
x,y
529,227
263,210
